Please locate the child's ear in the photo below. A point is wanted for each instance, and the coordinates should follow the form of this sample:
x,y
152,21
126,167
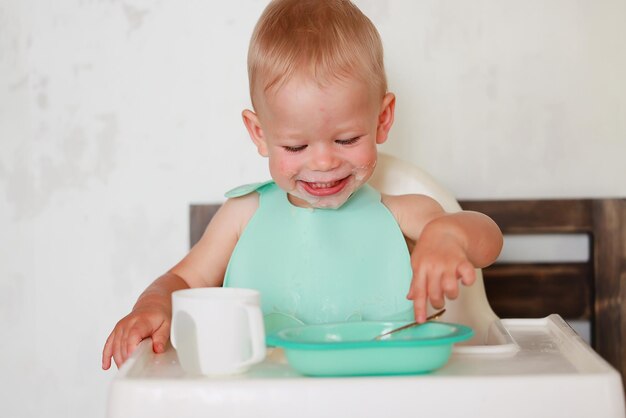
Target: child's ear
x,y
251,120
385,118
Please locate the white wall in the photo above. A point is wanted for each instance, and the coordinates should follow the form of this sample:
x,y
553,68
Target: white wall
x,y
115,115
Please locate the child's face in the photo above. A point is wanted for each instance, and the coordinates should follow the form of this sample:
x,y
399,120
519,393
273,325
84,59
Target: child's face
x,y
321,142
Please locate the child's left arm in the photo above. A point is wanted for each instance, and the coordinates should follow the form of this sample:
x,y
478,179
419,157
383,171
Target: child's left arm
x,y
446,247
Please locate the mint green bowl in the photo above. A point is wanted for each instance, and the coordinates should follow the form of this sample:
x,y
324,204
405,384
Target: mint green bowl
x,y
348,348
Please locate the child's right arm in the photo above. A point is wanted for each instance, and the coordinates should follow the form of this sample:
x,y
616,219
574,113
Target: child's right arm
x,y
204,266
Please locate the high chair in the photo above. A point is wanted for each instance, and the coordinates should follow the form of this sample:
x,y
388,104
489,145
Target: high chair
x,y
512,367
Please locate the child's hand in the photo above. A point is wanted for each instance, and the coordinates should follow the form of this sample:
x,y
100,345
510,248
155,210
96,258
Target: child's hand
x,y
143,322
447,247
438,263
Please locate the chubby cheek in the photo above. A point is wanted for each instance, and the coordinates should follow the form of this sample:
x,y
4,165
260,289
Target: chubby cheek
x,y
364,162
283,172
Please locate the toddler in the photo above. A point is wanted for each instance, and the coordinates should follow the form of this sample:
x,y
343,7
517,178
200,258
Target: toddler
x,y
317,241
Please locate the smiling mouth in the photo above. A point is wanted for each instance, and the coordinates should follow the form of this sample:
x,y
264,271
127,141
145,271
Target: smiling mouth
x,y
327,188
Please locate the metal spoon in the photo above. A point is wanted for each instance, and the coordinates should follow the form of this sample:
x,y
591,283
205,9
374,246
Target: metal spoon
x,y
412,324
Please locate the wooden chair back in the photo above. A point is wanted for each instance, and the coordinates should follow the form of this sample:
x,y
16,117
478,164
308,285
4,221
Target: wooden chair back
x,y
593,290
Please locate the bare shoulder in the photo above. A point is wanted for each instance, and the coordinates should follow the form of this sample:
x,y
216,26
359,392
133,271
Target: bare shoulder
x,y
235,213
412,211
205,264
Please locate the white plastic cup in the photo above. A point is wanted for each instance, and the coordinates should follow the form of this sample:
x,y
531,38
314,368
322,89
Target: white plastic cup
x,y
217,331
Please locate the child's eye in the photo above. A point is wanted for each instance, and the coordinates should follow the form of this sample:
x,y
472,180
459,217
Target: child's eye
x,y
348,141
294,149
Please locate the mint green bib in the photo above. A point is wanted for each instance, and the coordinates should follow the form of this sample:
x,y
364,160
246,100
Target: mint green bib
x,y
322,265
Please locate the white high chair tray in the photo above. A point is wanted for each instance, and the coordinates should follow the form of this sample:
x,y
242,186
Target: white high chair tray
x,y
553,374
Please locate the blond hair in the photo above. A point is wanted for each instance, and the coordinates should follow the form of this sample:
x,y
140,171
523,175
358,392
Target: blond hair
x,y
322,39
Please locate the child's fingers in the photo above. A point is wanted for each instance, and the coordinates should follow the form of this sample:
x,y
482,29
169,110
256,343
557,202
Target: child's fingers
x,y
136,333
467,273
450,286
123,340
117,350
434,290
117,336
128,332
418,294
123,337
132,341
107,352
160,337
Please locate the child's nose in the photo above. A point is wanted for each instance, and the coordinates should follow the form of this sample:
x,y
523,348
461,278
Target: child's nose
x,y
324,159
